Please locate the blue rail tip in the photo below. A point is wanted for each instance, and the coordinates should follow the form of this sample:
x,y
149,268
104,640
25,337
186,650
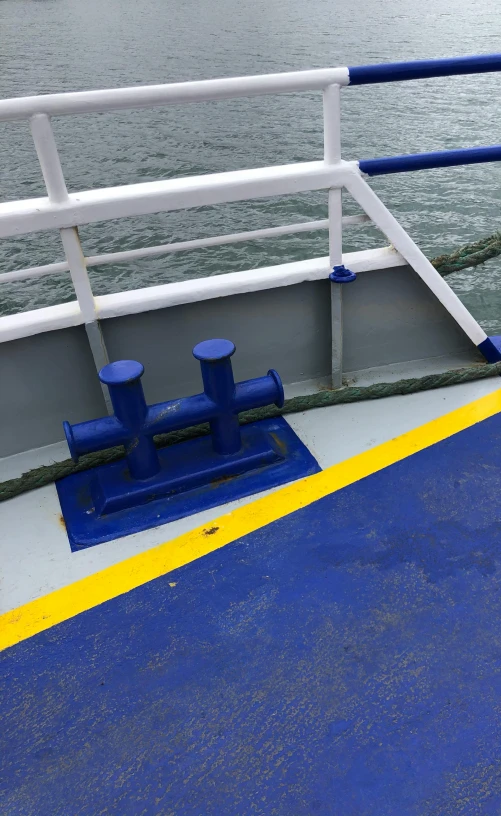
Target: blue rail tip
x,y
121,372
212,350
491,348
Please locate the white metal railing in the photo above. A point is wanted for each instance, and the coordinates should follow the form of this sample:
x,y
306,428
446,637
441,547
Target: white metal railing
x,y
172,94
180,246
66,211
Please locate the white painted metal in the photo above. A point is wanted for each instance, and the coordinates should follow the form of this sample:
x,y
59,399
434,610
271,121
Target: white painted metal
x,y
252,280
174,93
25,324
365,196
81,284
38,214
48,157
50,164
56,187
332,156
220,240
49,318
34,272
66,211
76,262
164,249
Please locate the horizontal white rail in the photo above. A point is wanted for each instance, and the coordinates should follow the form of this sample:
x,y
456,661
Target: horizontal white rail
x,y
181,246
25,324
38,214
171,94
35,272
66,211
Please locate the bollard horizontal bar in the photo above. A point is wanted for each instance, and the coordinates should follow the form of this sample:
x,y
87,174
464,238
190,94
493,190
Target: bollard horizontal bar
x,y
427,161
424,69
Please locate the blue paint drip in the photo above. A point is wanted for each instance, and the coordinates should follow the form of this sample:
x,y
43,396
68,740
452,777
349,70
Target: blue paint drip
x,y
427,161
345,659
423,69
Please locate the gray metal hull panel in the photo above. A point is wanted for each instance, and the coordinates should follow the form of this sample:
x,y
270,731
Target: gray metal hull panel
x,y
287,329
389,316
46,379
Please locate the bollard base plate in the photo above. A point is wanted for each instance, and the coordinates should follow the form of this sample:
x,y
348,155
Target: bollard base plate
x,y
104,503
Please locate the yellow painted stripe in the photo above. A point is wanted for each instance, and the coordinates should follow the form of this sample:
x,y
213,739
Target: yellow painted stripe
x,y
58,606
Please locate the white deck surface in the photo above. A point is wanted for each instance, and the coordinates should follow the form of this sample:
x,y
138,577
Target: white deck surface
x,y
34,550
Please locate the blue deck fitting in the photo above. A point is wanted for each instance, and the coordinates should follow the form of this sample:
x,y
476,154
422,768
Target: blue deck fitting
x,y
152,487
491,349
424,69
429,161
340,274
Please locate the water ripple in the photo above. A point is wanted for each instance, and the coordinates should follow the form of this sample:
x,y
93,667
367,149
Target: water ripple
x,y
57,45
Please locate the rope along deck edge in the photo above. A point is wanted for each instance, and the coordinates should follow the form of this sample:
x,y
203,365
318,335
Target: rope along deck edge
x,y
46,474
469,255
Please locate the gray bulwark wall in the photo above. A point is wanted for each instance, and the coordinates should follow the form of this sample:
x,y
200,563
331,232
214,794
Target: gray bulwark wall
x,y
44,380
287,329
389,317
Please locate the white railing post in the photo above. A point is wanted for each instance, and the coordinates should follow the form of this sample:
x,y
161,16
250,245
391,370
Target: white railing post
x,y
46,148
332,155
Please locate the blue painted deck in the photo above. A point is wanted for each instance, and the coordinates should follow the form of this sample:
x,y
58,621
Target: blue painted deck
x,y
344,660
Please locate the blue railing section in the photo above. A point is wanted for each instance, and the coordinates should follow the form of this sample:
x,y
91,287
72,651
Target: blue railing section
x,y
423,69
427,161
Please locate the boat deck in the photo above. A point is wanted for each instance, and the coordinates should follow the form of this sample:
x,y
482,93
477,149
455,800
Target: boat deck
x,y
332,646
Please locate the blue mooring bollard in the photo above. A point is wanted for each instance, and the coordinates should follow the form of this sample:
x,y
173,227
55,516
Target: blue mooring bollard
x,y
152,486
135,423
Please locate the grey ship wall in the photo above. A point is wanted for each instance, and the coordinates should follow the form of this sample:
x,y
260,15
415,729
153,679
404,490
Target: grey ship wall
x,y
389,316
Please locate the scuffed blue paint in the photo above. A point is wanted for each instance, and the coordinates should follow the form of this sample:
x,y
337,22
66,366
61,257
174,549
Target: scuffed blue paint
x,y
344,660
422,69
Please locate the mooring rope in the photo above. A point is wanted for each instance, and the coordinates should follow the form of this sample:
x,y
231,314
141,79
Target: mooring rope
x,y
46,474
465,257
469,255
